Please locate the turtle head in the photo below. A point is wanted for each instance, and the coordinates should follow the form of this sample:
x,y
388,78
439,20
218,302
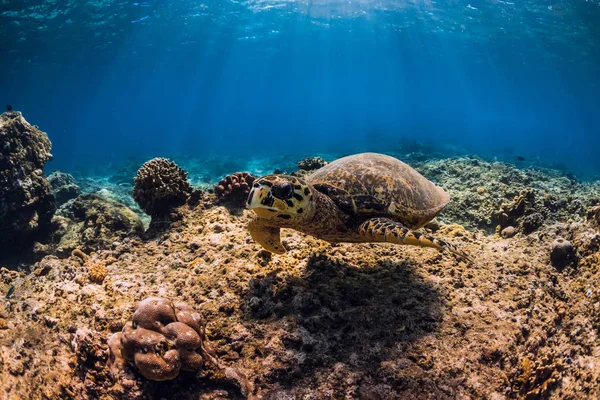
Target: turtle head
x,y
281,197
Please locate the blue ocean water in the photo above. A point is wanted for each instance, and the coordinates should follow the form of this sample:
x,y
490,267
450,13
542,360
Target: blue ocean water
x,y
113,79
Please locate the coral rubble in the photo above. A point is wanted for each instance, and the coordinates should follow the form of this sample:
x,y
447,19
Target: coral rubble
x,y
159,186
26,201
525,199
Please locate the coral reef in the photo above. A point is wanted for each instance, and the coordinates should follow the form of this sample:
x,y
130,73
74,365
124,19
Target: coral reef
x,y
26,201
63,187
311,164
235,187
159,186
91,223
492,195
329,320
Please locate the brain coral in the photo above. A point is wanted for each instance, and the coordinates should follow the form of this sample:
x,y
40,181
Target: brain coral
x,y
165,338
26,202
162,339
159,186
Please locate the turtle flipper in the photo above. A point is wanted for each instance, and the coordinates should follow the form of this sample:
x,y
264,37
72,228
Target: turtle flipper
x,y
387,230
267,236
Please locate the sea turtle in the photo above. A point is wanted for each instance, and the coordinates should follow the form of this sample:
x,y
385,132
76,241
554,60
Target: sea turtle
x,y
365,197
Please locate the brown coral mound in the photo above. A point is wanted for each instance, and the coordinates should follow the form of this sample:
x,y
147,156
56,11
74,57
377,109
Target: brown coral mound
x,y
159,186
235,187
26,202
164,338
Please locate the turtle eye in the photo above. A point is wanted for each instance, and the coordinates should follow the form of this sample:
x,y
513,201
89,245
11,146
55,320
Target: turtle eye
x,y
282,190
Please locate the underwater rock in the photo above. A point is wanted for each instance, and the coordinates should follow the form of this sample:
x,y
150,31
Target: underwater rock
x,y
63,187
159,186
531,222
235,187
311,164
26,201
508,232
163,339
91,223
563,253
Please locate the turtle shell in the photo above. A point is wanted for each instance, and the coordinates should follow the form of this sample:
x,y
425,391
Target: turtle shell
x,y
372,184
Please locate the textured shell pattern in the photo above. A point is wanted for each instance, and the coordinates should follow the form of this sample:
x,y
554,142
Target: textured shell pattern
x,y
377,184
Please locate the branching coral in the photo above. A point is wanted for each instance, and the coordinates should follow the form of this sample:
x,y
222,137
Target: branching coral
x,y
159,186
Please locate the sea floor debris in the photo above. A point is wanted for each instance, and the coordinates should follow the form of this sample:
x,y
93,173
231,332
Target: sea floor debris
x,y
373,321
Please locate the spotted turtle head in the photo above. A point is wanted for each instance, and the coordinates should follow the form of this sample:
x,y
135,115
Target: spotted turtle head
x,y
281,197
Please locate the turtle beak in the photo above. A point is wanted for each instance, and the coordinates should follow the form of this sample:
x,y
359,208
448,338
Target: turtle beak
x,y
260,200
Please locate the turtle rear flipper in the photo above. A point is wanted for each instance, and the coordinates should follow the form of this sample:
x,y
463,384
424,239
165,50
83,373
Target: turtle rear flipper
x,y
390,231
267,236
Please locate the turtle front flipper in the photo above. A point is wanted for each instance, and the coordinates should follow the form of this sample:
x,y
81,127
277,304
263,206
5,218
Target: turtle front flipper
x,y
267,236
389,231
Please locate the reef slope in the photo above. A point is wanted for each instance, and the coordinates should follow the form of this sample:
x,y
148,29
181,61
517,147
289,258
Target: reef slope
x,y
369,321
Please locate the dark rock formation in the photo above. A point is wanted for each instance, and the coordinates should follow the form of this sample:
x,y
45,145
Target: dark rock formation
x,y
63,187
563,253
26,202
159,186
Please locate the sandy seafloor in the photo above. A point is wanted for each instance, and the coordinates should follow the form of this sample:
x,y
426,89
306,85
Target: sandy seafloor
x,y
330,321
